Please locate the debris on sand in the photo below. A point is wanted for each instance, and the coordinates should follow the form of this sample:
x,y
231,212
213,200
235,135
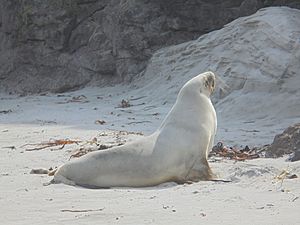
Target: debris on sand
x,y
51,143
42,171
39,171
124,104
79,99
101,122
85,150
85,146
285,174
234,153
10,147
81,210
6,111
82,151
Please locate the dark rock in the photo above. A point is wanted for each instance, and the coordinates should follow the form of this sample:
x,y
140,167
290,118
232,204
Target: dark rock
x,y
61,45
246,149
218,147
286,143
295,156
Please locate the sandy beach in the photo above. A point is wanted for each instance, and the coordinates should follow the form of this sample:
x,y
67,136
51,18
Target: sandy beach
x,y
254,100
254,194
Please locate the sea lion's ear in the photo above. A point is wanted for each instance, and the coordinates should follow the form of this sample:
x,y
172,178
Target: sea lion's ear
x,y
213,84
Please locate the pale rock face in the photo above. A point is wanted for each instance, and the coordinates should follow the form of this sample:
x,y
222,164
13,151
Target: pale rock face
x,y
256,59
63,45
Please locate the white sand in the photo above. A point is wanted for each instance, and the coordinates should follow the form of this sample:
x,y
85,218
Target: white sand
x,y
249,112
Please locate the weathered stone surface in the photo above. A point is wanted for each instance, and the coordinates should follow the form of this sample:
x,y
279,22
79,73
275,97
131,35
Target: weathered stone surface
x,y
286,143
295,156
61,45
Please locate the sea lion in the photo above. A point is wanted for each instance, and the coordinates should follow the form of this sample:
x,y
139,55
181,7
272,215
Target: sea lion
x,y
176,152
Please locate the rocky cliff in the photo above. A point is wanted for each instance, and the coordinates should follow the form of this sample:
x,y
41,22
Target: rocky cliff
x,y
61,45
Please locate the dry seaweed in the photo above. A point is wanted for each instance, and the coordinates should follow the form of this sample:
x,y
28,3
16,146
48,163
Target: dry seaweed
x,y
84,150
234,153
51,143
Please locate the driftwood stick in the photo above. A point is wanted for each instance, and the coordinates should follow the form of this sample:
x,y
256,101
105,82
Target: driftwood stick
x,y
81,210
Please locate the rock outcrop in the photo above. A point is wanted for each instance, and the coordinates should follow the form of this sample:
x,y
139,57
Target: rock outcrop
x,y
61,45
286,143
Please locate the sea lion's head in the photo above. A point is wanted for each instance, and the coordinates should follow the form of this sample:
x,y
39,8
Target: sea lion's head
x,y
204,83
